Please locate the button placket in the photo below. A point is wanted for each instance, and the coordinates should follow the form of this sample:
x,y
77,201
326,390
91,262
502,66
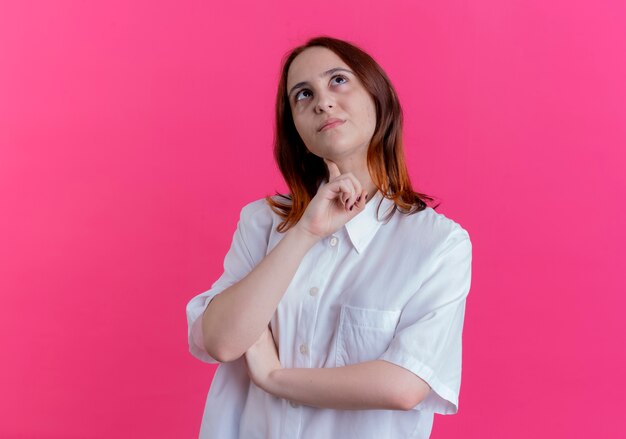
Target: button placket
x,y
306,328
311,299
304,349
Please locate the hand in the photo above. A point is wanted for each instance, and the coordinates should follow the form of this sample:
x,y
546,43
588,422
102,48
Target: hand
x,y
335,203
262,359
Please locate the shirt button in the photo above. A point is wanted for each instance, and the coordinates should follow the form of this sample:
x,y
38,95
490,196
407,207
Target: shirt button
x,y
333,241
313,291
303,349
293,404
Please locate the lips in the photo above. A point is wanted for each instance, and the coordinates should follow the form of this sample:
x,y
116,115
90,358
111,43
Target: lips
x,y
332,122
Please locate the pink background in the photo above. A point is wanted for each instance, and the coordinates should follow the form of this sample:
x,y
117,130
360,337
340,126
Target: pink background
x,y
132,133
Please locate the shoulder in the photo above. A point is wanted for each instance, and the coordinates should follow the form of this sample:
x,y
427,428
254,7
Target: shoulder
x,y
443,225
258,213
451,236
429,228
254,208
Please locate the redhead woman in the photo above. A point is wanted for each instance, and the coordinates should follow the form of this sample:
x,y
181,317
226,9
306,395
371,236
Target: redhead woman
x,y
340,310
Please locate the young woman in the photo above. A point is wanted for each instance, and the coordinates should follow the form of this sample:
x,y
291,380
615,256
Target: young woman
x,y
340,310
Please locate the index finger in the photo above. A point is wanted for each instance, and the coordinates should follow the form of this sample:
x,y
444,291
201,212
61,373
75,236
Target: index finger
x,y
333,169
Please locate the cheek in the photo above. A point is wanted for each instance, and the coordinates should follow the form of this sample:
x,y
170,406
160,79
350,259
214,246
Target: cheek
x,y
301,129
370,114
298,124
302,132
367,111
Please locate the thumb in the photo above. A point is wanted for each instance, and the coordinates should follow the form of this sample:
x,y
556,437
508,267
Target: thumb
x,y
333,169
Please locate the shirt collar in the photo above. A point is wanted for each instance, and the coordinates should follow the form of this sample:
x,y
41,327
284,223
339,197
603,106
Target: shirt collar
x,y
362,228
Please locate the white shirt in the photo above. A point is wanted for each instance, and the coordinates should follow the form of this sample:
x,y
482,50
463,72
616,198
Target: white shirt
x,y
393,291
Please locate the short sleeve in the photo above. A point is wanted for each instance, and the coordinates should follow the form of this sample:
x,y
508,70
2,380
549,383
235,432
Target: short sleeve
x,y
428,336
248,248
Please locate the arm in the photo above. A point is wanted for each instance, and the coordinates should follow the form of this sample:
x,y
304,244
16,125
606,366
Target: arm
x,y
235,318
374,384
371,385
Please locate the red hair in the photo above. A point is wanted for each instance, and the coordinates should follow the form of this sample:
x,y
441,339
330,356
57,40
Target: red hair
x,y
304,172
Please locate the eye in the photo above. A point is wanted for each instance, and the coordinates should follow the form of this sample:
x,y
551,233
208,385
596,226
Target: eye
x,y
339,77
296,97
299,96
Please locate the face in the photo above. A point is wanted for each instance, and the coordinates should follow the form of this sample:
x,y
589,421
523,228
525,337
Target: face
x,y
322,87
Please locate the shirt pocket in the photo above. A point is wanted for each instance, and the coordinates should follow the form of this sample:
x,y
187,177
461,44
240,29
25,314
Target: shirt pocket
x,y
364,334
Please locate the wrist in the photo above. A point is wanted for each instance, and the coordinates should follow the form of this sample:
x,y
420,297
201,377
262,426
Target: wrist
x,y
272,384
304,235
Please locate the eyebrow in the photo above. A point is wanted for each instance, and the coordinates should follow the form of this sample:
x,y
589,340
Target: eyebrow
x,y
326,73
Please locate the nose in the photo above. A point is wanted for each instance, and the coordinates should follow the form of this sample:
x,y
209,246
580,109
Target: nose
x,y
324,102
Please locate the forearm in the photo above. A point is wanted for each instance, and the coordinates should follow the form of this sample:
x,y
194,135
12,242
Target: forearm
x,y
370,385
237,316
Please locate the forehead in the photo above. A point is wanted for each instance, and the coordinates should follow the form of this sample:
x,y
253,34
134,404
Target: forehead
x,y
309,64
